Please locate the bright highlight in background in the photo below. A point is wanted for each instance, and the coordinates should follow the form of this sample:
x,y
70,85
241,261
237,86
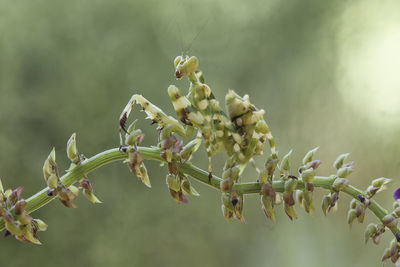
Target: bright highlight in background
x,y
369,72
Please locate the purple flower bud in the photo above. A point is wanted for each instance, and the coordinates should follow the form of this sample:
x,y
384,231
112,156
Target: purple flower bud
x,y
51,192
7,233
15,195
361,198
397,237
396,194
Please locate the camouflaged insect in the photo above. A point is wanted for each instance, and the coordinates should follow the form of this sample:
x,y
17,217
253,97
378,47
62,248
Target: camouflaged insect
x,y
242,132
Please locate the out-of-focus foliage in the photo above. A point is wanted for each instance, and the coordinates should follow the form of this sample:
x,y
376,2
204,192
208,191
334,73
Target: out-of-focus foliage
x,y
324,72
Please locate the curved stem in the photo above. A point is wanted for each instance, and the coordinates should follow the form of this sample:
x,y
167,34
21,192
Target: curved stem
x,y
150,153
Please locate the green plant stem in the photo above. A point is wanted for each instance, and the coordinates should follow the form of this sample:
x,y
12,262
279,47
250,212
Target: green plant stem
x,y
151,153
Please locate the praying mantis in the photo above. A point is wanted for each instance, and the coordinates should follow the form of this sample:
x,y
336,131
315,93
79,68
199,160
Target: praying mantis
x,y
242,132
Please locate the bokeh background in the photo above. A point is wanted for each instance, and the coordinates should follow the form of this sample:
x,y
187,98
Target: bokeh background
x,y
326,72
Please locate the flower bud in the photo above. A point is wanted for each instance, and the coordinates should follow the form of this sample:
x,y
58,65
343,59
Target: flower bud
x,y
326,202
344,172
190,148
28,235
394,247
386,254
20,207
369,232
339,184
144,176
353,203
40,225
394,258
396,195
290,211
2,211
49,166
172,182
166,155
340,160
66,194
86,185
174,195
268,207
371,191
351,216
173,168
133,137
360,210
300,197
389,221
91,197
309,187
397,212
288,198
263,177
285,162
309,156
308,202
308,175
72,152
131,127
7,217
229,163
66,197
270,166
278,199
380,182
360,218
13,228
313,164
14,195
187,188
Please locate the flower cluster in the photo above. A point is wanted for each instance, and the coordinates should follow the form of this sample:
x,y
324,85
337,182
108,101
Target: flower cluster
x,y
391,221
17,221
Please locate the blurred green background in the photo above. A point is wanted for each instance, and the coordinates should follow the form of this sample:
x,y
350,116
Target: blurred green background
x,y
326,72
